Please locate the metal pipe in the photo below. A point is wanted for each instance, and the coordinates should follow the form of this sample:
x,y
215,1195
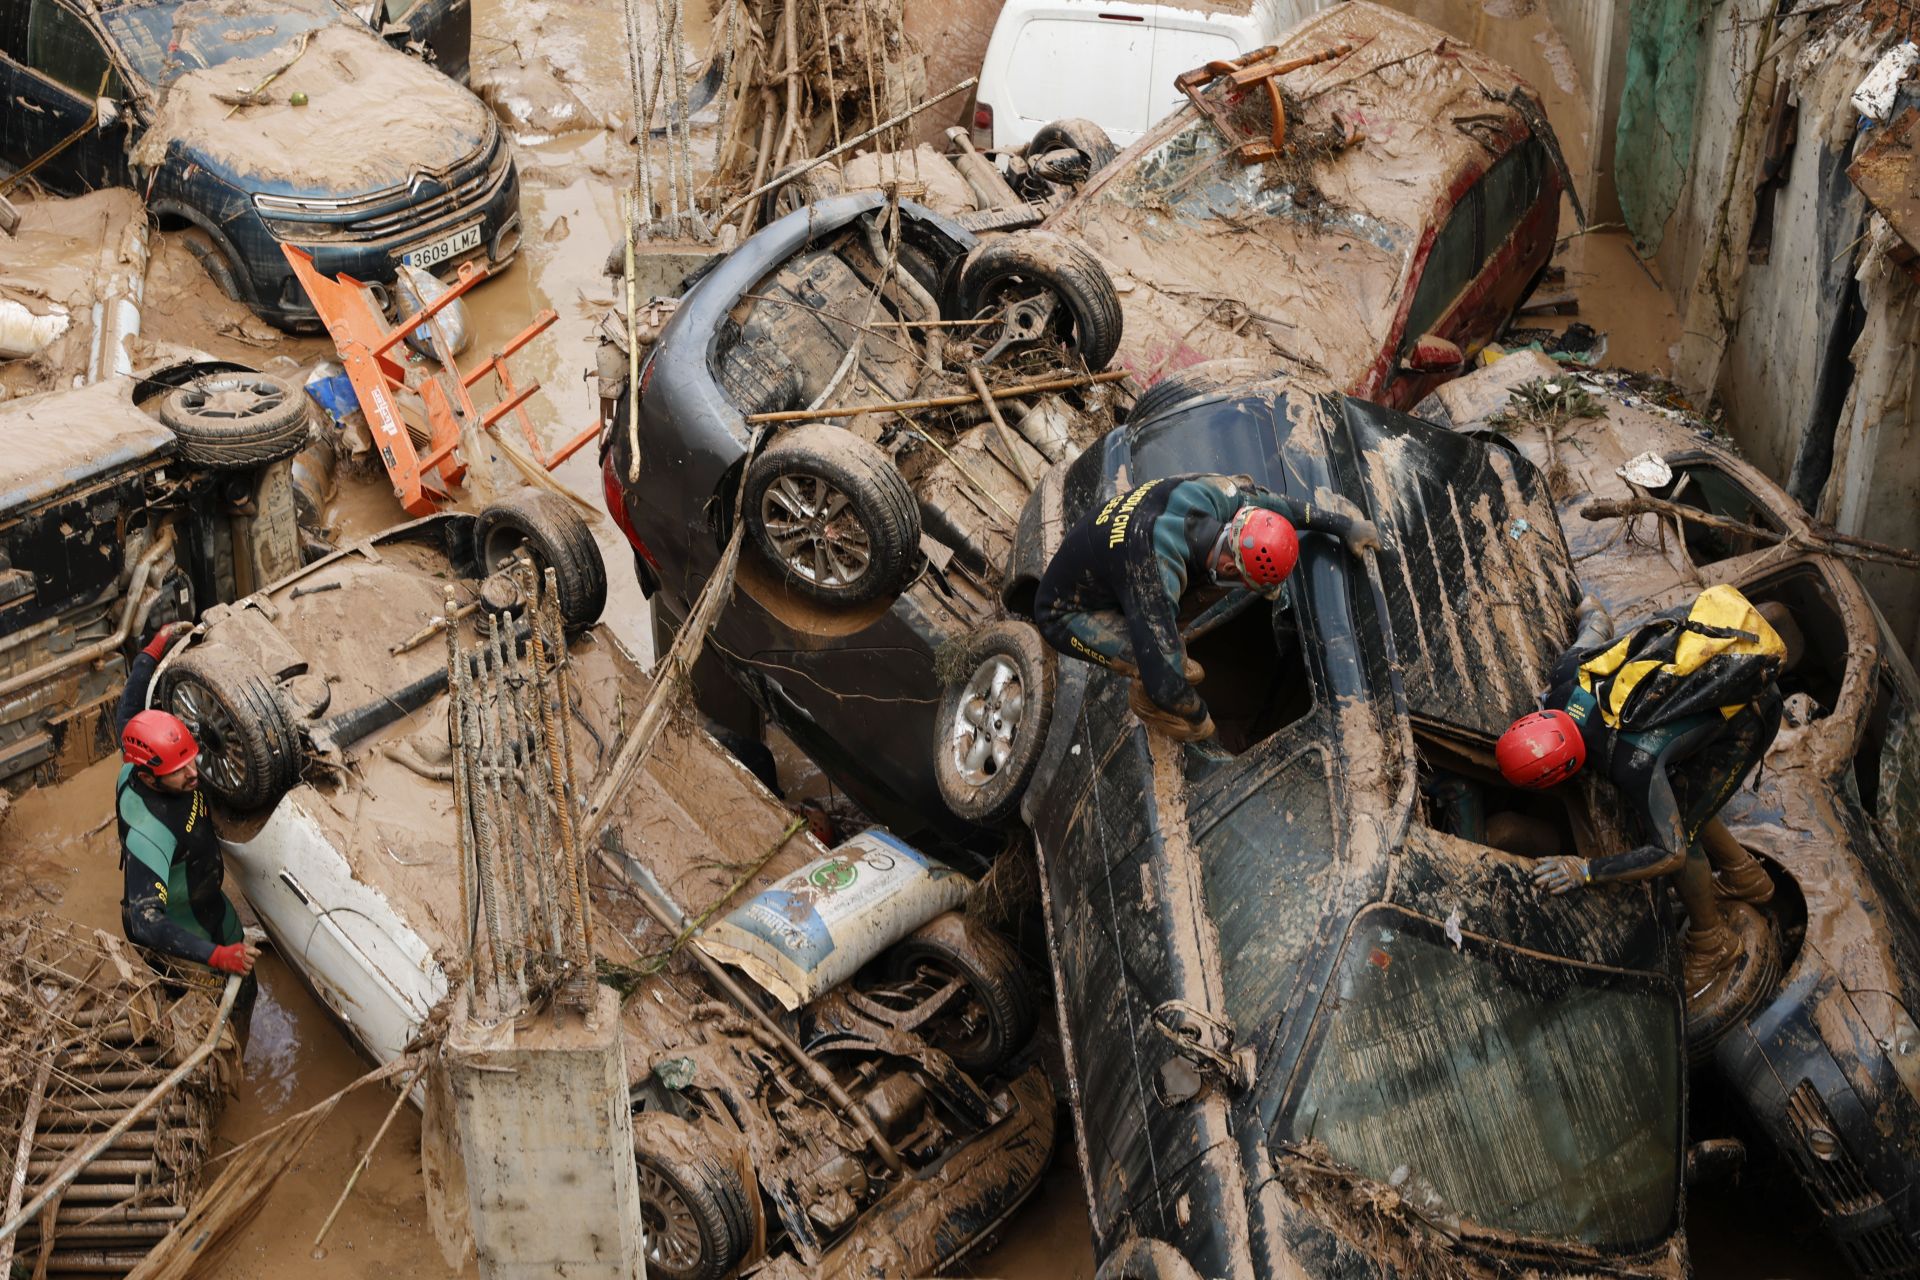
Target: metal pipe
x,y
99,648
509,873
559,749
72,1168
462,785
541,817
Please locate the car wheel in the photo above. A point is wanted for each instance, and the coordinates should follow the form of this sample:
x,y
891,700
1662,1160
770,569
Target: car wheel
x,y
546,526
994,1019
992,722
249,749
831,512
209,256
693,1208
237,421
1023,265
1084,136
1210,377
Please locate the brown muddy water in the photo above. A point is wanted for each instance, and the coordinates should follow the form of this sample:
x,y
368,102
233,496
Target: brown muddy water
x,y
556,70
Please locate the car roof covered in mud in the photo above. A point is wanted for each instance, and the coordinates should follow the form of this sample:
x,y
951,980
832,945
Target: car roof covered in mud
x,y
59,439
1477,581
1376,140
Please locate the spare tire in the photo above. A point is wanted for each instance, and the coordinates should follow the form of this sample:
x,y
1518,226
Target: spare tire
x,y
693,1209
829,511
1077,134
1006,268
553,534
249,748
1210,377
992,722
236,421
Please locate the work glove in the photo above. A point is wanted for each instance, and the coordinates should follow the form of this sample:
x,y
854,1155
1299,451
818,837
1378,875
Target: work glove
x,y
235,957
1562,875
164,638
1362,537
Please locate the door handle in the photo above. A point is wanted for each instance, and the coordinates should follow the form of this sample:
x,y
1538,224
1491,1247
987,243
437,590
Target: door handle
x,y
34,107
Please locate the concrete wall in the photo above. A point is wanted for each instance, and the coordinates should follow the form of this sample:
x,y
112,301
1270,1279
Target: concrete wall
x,y
1595,33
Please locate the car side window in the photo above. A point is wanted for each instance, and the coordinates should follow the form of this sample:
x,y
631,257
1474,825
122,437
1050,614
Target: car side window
x,y
1450,268
1509,190
13,29
60,45
1707,488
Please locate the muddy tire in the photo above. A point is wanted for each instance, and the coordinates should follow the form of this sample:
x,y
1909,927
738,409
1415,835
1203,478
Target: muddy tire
x,y
996,1018
554,535
236,421
829,511
1022,263
693,1208
1076,134
250,752
213,261
992,722
1210,377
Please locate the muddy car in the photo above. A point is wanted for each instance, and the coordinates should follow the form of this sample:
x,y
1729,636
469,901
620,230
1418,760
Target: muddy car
x,y
874,542
1316,1018
353,868
1375,233
357,152
113,520
1825,1064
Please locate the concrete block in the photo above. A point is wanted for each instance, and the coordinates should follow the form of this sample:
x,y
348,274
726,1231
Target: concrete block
x,y
548,1139
659,268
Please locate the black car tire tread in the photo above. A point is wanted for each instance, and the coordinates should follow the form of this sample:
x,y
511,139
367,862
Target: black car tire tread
x,y
263,732
1074,275
677,1152
997,801
879,496
1206,378
986,962
220,443
559,539
1143,1258
1082,135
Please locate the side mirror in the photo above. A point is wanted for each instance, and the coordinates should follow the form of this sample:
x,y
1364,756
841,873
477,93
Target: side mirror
x,y
1433,354
1715,1160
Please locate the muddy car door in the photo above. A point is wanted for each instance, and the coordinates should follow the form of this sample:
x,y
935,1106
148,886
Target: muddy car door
x,y
53,68
443,27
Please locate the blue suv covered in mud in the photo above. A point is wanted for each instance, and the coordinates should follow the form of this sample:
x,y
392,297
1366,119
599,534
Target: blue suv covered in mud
x,y
251,124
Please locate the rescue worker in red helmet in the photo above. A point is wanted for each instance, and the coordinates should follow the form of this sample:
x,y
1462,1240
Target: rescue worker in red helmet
x,y
1676,777
1115,590
173,904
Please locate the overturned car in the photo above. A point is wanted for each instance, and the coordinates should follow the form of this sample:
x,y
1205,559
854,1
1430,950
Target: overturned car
x,y
321,704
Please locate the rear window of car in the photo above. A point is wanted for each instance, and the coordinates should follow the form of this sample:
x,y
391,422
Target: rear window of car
x,y
1092,69
1478,226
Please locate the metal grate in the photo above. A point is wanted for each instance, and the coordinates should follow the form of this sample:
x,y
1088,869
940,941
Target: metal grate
x,y
1839,1186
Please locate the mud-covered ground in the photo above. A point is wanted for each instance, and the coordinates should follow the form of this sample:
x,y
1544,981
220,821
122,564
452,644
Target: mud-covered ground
x,y
555,71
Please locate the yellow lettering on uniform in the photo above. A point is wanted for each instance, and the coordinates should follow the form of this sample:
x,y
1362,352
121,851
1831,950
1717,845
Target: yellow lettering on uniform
x,y
1126,515
162,890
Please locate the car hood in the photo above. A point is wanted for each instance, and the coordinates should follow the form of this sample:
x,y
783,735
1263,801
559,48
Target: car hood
x,y
373,118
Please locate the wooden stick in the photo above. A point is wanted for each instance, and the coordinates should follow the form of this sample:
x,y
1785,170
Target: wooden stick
x,y
781,179
71,1169
1829,544
937,402
17,1185
366,1157
979,382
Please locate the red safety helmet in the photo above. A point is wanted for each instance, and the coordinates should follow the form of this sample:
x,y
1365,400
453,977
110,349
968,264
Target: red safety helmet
x,y
1265,548
1541,750
158,741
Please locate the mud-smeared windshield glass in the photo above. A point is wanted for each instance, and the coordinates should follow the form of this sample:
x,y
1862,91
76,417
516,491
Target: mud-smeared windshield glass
x,y
165,41
1498,1089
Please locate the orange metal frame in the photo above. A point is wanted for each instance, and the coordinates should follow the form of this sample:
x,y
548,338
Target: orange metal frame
x,y
365,341
1247,69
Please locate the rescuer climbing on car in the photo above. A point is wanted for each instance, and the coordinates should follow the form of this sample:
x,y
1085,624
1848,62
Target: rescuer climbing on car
x,y
1114,592
173,904
1678,711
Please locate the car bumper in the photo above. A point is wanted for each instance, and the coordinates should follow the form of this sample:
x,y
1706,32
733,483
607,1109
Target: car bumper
x,y
277,294
1826,1094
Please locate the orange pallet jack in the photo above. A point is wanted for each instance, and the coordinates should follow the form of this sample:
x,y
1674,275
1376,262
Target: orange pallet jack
x,y
366,341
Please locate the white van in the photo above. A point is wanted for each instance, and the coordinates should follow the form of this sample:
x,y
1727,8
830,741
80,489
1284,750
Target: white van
x,y
1109,61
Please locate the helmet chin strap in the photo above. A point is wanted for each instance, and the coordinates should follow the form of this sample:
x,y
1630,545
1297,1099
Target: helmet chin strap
x,y
1224,543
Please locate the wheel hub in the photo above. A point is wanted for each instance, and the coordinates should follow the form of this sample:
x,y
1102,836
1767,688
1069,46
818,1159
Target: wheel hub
x,y
987,720
813,525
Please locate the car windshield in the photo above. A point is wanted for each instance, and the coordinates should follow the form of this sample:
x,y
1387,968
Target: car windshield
x,y
1507,1090
165,41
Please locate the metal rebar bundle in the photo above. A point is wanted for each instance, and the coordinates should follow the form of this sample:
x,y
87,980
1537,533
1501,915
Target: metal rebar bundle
x,y
523,881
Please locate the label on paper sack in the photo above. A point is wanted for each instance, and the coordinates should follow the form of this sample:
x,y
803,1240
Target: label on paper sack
x,y
815,928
